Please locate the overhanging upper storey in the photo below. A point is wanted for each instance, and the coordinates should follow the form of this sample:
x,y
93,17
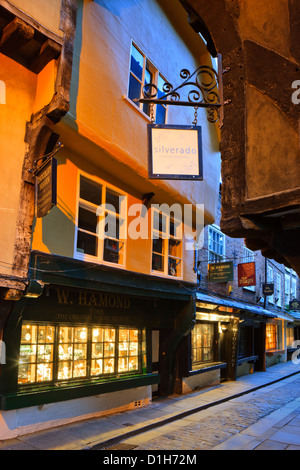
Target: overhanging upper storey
x,y
25,40
260,132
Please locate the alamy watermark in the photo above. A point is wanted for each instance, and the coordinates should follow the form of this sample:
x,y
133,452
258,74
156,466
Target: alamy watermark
x,y
296,354
296,94
167,221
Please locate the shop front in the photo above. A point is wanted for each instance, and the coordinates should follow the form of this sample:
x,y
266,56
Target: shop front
x,y
227,341
74,352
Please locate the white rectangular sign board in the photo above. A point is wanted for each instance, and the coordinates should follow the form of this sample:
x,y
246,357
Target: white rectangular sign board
x,y
175,152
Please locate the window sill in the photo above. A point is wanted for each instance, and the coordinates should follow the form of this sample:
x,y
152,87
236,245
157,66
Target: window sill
x,y
136,108
275,352
241,360
207,367
166,276
94,260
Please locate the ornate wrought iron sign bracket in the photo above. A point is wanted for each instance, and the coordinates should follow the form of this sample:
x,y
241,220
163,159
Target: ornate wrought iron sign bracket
x,y
203,92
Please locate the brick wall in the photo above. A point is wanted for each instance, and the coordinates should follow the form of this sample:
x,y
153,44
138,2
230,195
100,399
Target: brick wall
x,y
234,252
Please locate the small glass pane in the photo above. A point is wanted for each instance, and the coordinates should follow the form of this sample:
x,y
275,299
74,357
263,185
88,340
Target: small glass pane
x,y
134,90
123,349
65,334
97,334
137,62
157,262
79,369
109,349
87,220
109,334
159,222
65,352
109,366
174,248
160,84
134,335
44,372
64,370
133,363
28,334
80,335
123,334
45,353
27,353
111,251
90,190
158,246
26,373
97,350
160,114
112,226
96,367
46,334
113,200
123,364
86,243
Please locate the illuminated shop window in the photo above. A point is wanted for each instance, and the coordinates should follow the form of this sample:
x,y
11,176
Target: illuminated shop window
x,y
103,351
101,222
166,244
51,353
128,350
290,336
72,353
36,354
143,72
271,337
202,343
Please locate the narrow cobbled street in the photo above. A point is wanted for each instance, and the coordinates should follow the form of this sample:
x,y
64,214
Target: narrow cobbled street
x,y
211,429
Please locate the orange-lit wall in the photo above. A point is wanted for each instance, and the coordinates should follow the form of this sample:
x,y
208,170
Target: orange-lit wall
x,y
55,233
23,93
105,135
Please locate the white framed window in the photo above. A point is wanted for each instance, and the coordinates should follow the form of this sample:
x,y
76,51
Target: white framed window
x,y
293,288
143,72
216,245
278,291
248,257
101,222
166,244
287,289
270,280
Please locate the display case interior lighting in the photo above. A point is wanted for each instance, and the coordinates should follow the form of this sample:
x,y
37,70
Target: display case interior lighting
x,y
213,317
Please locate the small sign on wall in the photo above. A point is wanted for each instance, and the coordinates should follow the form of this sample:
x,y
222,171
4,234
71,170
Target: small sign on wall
x,y
268,289
220,272
246,274
175,152
45,187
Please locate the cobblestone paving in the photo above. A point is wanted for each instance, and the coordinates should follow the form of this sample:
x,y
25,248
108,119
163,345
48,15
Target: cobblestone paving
x,y
218,427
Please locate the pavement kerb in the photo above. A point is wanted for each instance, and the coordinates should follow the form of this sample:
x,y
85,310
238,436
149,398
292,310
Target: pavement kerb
x,y
158,422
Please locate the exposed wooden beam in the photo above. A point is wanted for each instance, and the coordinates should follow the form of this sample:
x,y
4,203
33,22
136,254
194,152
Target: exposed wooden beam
x,y
50,50
14,35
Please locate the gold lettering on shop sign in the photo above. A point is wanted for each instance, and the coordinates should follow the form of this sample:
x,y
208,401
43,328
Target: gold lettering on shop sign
x,y
62,295
93,299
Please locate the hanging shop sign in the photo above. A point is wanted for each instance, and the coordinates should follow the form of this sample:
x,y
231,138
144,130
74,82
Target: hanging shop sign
x,y
294,304
175,152
220,272
268,289
45,187
246,274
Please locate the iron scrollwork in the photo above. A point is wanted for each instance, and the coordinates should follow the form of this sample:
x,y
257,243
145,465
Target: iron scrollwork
x,y
202,92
